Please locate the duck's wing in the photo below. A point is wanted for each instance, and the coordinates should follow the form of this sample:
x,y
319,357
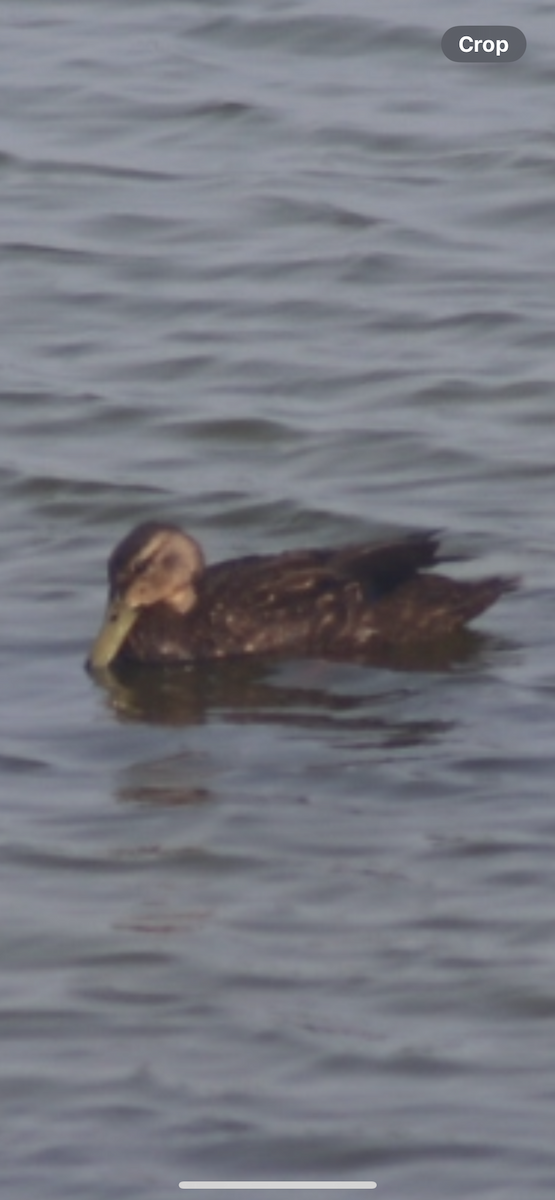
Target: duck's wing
x,y
306,574
381,569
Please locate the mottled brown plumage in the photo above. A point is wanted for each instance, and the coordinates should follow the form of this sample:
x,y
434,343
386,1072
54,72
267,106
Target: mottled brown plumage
x,y
166,606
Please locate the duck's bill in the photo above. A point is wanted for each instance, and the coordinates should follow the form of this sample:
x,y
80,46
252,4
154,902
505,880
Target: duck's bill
x,y
118,621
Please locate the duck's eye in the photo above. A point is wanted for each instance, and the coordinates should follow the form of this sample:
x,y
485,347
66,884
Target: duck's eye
x,y
169,561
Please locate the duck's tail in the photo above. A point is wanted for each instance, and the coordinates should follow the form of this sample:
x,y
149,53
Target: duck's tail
x,y
432,606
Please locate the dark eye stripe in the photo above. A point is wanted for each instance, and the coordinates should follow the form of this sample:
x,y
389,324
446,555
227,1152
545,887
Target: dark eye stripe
x,y
140,567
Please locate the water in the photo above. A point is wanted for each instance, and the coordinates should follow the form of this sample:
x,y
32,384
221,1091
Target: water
x,y
284,274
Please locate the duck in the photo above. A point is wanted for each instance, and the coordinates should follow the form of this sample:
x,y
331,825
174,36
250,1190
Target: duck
x,y
166,606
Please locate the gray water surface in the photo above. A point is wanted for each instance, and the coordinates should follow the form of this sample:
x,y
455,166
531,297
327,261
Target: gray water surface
x,y
284,274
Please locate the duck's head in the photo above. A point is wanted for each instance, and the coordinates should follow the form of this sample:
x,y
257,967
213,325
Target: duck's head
x,y
154,564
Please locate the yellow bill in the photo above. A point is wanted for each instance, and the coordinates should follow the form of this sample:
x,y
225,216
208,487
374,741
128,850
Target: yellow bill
x,y
118,621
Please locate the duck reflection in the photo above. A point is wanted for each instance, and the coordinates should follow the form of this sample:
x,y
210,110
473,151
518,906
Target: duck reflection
x,y
312,693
